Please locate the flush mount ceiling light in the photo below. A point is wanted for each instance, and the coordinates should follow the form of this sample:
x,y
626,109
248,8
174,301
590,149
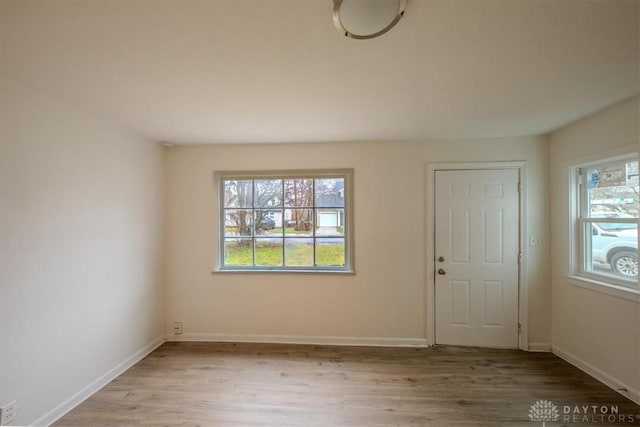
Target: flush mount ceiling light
x,y
366,19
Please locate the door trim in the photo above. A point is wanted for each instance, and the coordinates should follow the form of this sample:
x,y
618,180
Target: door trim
x,y
523,294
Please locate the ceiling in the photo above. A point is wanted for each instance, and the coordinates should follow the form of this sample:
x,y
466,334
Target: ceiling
x,y
238,71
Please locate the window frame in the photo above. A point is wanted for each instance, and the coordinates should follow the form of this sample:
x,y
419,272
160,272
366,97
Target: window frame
x,y
580,218
347,174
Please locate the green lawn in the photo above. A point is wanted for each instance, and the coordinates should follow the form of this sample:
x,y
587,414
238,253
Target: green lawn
x,y
296,254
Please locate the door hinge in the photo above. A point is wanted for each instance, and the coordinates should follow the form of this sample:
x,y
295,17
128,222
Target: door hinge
x,y
519,258
519,328
519,187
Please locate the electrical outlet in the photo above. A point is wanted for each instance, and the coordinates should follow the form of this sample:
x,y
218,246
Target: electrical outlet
x,y
177,328
8,413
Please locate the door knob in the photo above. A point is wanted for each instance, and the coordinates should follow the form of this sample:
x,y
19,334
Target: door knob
x,y
441,259
441,271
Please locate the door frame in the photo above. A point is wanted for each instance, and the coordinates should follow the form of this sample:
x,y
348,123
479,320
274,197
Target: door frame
x,y
523,294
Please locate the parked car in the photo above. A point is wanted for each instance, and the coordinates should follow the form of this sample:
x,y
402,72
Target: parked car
x,y
616,245
267,224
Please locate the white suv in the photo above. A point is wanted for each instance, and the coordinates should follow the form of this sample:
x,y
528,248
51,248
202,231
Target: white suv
x,y
616,244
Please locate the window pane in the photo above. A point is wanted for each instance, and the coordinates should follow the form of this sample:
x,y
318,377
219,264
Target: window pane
x,y
269,222
329,192
238,194
238,252
329,251
298,252
298,192
612,248
237,222
613,190
330,222
281,222
268,193
298,222
269,252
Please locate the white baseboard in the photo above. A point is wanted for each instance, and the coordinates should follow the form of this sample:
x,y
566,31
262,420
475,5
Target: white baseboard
x,y
79,397
543,347
292,339
615,384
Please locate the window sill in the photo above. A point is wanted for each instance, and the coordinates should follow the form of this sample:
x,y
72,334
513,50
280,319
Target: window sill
x,y
282,271
617,291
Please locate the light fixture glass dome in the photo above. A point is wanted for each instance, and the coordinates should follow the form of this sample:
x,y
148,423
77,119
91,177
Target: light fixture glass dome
x,y
366,19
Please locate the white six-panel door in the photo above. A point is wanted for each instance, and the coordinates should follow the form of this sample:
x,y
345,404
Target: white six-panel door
x,y
476,257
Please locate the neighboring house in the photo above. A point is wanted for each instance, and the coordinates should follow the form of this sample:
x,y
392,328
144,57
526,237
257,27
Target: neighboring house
x,y
330,209
333,215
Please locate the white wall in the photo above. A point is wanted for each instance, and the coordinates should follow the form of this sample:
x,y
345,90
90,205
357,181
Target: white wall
x,y
596,331
387,297
81,216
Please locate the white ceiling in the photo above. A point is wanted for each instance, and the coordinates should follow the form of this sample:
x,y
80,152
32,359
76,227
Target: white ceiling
x,y
212,71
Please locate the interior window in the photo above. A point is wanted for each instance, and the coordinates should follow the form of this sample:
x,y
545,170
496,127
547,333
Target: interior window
x,y
285,222
608,220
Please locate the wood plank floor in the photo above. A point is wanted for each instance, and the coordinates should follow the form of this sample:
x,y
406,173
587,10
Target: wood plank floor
x,y
229,384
